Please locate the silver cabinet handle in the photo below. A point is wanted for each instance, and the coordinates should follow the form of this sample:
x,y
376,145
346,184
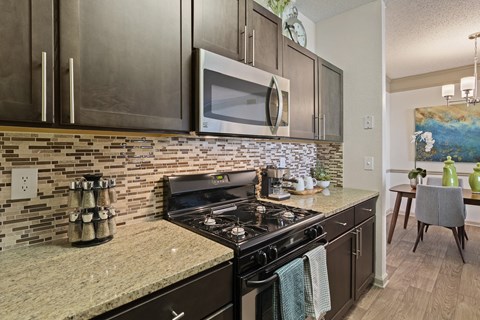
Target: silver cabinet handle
x,y
361,240
177,316
355,251
324,121
365,209
72,89
44,87
341,223
315,119
244,59
253,47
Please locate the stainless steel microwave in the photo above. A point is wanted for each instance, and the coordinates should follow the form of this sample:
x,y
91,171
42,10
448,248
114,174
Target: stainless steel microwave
x,y
235,98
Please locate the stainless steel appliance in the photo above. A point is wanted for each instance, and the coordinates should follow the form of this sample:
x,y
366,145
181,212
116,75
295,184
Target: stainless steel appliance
x,y
272,183
235,98
263,235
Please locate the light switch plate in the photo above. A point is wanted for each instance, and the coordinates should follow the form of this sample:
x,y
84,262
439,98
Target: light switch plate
x,y
24,183
368,163
368,122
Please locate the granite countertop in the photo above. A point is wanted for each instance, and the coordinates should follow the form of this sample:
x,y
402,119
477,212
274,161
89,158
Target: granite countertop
x,y
329,201
57,281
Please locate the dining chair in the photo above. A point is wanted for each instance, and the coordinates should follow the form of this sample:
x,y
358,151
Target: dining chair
x,y
441,206
437,181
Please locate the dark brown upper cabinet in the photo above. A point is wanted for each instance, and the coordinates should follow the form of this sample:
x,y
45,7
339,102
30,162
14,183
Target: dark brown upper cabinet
x,y
27,61
126,64
220,26
241,30
331,101
300,66
265,39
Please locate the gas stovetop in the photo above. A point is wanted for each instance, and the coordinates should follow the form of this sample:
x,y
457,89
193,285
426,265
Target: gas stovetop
x,y
244,220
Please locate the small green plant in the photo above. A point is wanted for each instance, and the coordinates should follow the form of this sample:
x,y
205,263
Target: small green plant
x,y
412,174
278,6
319,172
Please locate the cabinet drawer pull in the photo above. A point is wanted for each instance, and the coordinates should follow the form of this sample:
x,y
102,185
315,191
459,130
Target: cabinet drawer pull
x,y
366,209
44,86
324,121
177,316
341,223
244,59
253,47
72,89
360,236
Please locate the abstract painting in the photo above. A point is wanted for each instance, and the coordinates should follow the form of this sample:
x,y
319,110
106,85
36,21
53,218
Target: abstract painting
x,y
456,130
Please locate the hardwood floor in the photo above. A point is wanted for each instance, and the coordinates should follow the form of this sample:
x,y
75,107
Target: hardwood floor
x,y
431,283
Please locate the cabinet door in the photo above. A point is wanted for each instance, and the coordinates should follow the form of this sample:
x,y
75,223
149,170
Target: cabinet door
x,y
26,52
131,63
219,26
331,101
365,260
265,44
340,263
300,66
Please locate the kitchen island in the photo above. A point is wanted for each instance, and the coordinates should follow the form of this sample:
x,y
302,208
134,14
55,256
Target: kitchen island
x,y
57,281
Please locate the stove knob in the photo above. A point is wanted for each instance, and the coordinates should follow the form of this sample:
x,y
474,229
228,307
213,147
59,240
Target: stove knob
x,y
312,233
320,229
273,252
261,258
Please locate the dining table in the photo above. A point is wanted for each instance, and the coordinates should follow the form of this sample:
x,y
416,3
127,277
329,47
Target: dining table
x,y
406,191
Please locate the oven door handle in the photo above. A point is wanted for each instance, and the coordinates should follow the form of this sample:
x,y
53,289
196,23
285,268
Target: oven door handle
x,y
259,283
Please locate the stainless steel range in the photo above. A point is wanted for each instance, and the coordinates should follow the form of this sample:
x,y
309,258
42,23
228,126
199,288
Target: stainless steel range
x,y
263,235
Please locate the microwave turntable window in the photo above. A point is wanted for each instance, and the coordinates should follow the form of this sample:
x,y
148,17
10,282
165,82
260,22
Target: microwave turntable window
x,y
234,100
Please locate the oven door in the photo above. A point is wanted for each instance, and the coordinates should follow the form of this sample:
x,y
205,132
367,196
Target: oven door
x,y
235,98
257,288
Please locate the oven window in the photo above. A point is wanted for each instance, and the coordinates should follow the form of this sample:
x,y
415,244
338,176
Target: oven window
x,y
239,101
264,304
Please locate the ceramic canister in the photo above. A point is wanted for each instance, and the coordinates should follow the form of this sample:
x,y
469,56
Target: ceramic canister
x,y
474,179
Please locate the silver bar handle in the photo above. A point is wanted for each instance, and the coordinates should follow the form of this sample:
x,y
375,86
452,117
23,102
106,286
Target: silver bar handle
x,y
341,223
44,86
324,121
280,105
361,240
367,209
72,89
315,133
253,47
244,44
355,252
177,316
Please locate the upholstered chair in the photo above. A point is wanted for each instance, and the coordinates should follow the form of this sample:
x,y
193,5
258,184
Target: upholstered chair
x,y
441,206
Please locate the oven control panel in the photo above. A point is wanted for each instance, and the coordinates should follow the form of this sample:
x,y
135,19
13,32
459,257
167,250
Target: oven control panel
x,y
291,244
219,179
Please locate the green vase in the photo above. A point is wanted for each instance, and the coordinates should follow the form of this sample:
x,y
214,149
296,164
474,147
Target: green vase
x,y
474,179
449,178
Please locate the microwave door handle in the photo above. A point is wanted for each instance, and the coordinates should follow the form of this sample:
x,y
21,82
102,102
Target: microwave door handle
x,y
280,105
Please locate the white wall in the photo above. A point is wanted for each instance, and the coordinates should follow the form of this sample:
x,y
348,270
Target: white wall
x,y
354,41
401,127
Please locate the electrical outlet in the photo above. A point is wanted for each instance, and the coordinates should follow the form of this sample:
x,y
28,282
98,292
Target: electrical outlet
x,y
368,163
282,163
368,122
24,183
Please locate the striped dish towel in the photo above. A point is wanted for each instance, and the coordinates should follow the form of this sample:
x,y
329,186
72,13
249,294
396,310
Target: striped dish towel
x,y
317,290
287,290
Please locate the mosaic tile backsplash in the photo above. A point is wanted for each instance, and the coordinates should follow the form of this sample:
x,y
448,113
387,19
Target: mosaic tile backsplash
x,y
138,164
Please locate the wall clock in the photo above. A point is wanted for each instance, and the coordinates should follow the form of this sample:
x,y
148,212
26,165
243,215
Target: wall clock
x,y
294,28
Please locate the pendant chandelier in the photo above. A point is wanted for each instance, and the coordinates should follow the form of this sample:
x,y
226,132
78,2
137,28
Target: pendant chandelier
x,y
468,85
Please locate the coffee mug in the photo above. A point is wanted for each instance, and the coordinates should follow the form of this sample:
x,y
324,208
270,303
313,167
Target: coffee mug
x,y
310,183
299,185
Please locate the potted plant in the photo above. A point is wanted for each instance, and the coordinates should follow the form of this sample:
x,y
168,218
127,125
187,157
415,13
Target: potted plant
x,y
278,6
417,174
320,174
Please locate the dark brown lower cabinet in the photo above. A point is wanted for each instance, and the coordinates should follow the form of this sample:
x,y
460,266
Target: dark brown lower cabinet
x,y
350,256
365,259
205,296
340,264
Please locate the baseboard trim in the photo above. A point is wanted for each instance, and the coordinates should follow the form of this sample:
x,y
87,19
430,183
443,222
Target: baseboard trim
x,y
381,282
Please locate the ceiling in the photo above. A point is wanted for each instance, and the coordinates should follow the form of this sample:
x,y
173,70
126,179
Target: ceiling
x,y
421,35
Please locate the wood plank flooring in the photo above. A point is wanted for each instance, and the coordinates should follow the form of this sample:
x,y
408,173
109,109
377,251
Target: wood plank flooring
x,y
429,284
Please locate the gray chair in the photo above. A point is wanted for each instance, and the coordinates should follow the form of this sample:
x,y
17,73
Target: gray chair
x,y
437,181
441,206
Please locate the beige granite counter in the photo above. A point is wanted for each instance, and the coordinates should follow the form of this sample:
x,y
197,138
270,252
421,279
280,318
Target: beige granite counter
x,y
329,201
57,281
